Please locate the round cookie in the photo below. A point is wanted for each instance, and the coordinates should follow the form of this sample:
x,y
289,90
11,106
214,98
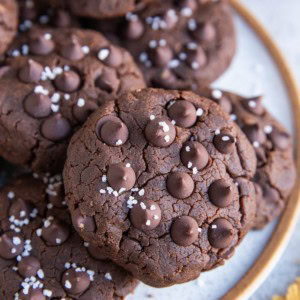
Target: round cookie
x,y
142,171
50,90
8,22
41,256
177,44
275,176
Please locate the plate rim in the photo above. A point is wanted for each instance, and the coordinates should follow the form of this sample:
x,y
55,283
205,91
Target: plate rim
x,y
277,243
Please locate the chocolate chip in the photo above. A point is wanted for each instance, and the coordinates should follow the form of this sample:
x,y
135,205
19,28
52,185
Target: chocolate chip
x,y
75,281
56,128
81,113
194,155
195,56
83,223
180,185
183,113
20,209
31,72
11,245
96,252
220,193
68,82
146,215
254,133
254,105
37,105
120,176
160,132
165,78
269,194
279,139
205,32
108,80
112,131
62,19
4,70
169,19
32,294
184,231
224,143
28,266
225,103
111,56
55,232
160,56
134,29
41,44
220,233
72,50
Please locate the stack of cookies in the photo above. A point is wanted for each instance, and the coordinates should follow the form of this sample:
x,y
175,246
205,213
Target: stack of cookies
x,y
125,165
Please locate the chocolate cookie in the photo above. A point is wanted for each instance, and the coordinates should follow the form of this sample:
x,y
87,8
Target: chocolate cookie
x,y
8,22
178,44
33,12
162,176
275,176
41,256
101,9
52,81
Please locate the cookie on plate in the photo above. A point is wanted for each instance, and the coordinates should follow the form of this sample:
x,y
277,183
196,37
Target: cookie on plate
x,y
8,22
52,81
163,177
276,174
41,256
177,44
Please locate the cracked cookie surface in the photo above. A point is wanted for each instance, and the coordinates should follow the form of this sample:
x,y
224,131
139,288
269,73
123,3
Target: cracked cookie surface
x,y
41,255
164,177
8,22
275,176
177,44
52,80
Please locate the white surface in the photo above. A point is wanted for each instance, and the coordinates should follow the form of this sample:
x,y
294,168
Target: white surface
x,y
252,73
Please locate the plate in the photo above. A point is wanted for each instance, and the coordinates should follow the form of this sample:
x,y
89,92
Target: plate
x,y
258,68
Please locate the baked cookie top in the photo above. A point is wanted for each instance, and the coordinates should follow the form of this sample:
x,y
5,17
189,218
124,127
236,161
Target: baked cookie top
x,y
52,81
276,174
163,176
41,256
177,44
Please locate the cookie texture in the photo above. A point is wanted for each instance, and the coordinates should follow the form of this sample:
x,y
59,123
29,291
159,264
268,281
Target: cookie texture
x,y
140,169
41,256
8,22
177,44
52,81
275,176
